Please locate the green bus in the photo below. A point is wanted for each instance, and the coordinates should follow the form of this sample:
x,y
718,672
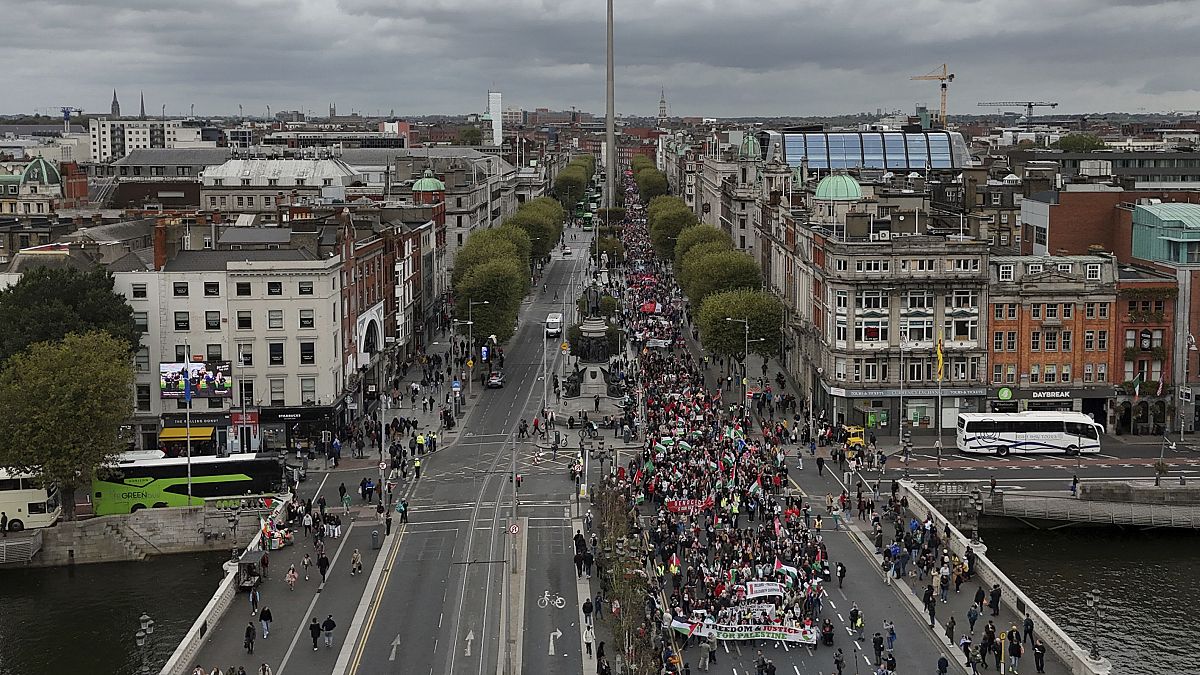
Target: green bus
x,y
136,484
587,222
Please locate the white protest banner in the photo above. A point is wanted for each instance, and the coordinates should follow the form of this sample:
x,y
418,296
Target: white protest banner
x,y
747,632
757,589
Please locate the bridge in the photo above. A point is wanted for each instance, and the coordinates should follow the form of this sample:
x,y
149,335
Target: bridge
x,y
1068,510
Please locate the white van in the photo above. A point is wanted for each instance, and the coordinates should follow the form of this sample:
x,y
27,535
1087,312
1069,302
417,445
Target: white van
x,y
554,325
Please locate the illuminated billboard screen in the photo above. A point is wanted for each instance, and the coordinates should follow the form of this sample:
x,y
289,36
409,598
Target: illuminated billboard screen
x,y
208,379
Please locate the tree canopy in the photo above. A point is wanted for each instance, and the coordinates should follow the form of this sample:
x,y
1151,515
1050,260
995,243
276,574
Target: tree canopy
x,y
701,234
470,136
502,283
716,272
666,223
1079,142
651,183
490,244
611,246
64,402
728,338
47,304
542,220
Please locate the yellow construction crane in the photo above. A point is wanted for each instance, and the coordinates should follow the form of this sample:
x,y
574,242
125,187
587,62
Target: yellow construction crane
x,y
945,77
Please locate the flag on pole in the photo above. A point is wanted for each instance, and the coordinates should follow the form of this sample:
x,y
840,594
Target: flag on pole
x,y
674,565
941,361
1137,386
756,488
792,572
1160,388
187,384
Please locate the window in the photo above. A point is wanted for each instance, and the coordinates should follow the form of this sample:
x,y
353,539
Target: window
x,y
274,288
212,289
839,369
308,390
141,320
213,351
964,299
1092,272
997,373
243,320
274,318
1012,340
1034,373
998,311
1068,310
1051,373
139,291
1102,372
1006,273
277,392
305,288
871,300
840,299
839,264
1159,306
1035,268
212,321
1035,341
246,386
141,360
275,353
996,196
1010,374
180,289
919,300
143,398
1036,310
246,350
183,321
1064,267
966,264
841,329
1089,310
1052,310
1130,339
242,288
1065,375
1051,342
916,330
872,265
306,319
1087,372
961,329
1065,338
1012,310
871,330
308,353
1089,340
958,370
1102,340
1103,309
998,341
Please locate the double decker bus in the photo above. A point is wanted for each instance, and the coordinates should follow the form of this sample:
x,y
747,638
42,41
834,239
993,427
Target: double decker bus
x,y
1033,431
134,484
26,503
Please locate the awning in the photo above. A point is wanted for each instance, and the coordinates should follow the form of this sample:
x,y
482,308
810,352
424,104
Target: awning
x,y
181,433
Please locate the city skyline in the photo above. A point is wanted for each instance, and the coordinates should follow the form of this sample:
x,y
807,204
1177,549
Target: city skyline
x,y
721,61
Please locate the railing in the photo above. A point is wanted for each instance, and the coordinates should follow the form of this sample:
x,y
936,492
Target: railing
x,y
1055,638
20,549
1090,511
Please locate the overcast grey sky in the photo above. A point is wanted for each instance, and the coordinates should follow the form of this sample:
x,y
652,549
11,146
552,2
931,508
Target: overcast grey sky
x,y
715,57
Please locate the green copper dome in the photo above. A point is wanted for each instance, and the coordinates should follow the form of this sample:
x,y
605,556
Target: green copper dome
x,y
749,148
40,171
838,188
428,183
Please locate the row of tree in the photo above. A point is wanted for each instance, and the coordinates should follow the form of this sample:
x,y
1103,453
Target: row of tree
x,y
666,219
650,181
571,183
66,376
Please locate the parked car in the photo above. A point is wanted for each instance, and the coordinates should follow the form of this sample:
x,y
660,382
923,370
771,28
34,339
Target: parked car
x,y
496,381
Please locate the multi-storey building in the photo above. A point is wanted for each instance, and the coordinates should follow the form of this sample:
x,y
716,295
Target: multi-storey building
x,y
257,186
1146,315
30,188
1053,333
114,138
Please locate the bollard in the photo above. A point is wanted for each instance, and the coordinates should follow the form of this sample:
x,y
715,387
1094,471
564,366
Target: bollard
x,y
375,539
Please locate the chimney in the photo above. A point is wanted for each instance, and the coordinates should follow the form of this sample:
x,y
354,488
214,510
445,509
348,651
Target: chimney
x,y
217,218
97,219
160,244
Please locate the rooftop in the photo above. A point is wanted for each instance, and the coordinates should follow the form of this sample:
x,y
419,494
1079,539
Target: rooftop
x,y
255,235
1174,214
208,261
175,157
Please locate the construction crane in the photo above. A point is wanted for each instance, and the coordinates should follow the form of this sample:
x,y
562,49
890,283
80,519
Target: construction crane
x,y
944,76
66,110
1027,105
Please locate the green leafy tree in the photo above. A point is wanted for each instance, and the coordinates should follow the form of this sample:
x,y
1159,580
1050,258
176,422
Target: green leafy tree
x,y
651,183
1080,142
728,338
47,304
610,245
718,272
701,234
687,272
470,136
569,185
610,217
640,162
64,403
503,283
484,246
666,228
662,203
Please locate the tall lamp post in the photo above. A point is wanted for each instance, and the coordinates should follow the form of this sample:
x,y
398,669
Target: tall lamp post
x,y
1092,598
471,340
745,351
142,637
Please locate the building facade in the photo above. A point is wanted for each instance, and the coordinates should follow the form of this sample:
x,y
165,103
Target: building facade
x,y
114,138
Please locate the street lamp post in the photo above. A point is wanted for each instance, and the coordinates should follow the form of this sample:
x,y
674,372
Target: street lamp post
x,y
471,340
745,352
1092,598
142,637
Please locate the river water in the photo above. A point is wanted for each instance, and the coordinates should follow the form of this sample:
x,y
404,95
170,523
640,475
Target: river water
x,y
62,621
1149,581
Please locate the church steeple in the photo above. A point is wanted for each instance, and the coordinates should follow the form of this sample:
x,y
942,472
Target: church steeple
x,y
142,114
116,107
662,108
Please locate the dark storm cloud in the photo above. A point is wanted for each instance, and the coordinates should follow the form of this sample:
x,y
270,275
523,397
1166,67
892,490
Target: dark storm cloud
x,y
729,57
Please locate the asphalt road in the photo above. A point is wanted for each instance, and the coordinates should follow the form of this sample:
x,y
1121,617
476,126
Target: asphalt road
x,y
438,606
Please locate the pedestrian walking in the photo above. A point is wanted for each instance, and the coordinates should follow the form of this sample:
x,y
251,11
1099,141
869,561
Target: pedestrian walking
x,y
314,631
839,661
943,665
587,611
305,564
889,632
323,566
589,636
4,523
291,577
1039,656
254,599
248,643
355,563
877,645
1027,627
402,509
994,599
265,618
950,629
327,627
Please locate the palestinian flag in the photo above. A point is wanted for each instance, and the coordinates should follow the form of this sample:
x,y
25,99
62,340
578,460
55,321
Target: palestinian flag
x,y
674,564
649,466
687,447
756,487
659,447
685,627
667,440
792,573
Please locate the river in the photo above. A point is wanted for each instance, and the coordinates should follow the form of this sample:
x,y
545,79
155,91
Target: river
x,y
1148,581
57,621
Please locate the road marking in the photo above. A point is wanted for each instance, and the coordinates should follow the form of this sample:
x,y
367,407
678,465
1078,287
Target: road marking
x,y
395,644
469,639
316,596
553,636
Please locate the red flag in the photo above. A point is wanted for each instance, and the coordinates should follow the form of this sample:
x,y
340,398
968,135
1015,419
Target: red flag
x,y
637,477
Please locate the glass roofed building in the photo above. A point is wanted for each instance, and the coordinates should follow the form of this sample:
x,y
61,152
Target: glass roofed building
x,y
878,150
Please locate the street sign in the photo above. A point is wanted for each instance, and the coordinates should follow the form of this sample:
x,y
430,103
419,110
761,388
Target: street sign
x,y
470,363
514,529
382,466
566,346
483,353
456,385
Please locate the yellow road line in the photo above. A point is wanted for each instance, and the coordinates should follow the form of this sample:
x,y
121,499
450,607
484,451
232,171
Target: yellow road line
x,y
378,600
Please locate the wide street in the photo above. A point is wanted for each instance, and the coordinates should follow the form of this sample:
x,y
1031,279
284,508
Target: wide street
x,y
444,583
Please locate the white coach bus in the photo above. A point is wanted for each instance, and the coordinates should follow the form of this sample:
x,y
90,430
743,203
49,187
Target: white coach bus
x,y
1048,432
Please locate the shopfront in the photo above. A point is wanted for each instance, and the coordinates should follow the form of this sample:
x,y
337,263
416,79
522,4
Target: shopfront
x,y
244,433
208,434
882,409
303,427
1089,400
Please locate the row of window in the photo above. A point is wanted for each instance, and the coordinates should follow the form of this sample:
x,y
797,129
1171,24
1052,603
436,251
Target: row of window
x,y
212,289
306,319
915,265
275,386
958,299
911,330
1050,310
215,351
1050,341
1052,373
913,370
1091,272
1147,305
273,182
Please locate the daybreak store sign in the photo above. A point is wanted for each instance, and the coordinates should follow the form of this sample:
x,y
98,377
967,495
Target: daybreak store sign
x,y
1065,394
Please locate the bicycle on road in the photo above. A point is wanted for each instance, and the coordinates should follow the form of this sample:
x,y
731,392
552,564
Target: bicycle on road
x,y
545,601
